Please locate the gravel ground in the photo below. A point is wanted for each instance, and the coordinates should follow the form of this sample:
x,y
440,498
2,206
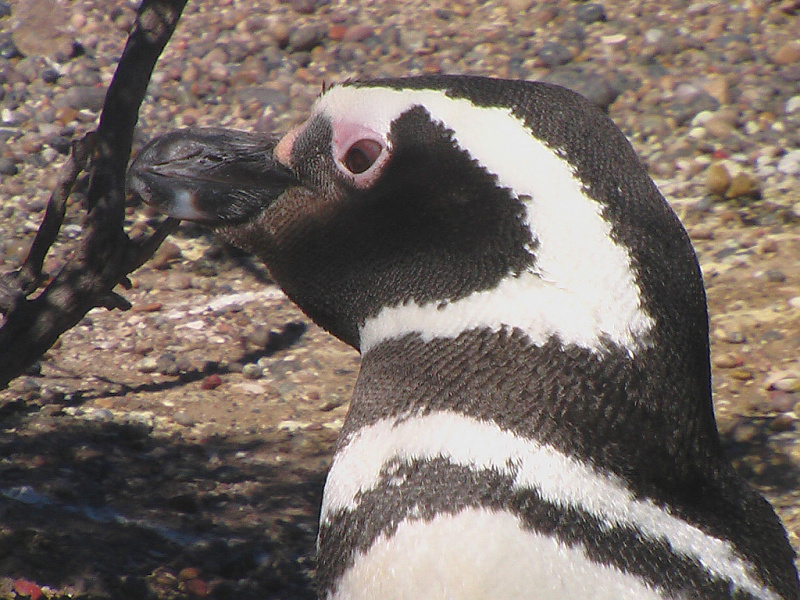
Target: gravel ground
x,y
178,450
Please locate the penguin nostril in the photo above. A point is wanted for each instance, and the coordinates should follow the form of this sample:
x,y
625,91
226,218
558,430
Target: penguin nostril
x,y
362,155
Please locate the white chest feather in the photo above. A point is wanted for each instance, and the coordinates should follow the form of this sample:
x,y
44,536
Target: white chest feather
x,y
478,555
479,545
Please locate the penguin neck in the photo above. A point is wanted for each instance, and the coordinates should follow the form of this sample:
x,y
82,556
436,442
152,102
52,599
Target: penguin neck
x,y
631,416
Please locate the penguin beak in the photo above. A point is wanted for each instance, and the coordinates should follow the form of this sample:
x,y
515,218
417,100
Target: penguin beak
x,y
214,176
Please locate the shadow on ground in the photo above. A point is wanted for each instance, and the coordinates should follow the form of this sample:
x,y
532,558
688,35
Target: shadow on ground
x,y
104,510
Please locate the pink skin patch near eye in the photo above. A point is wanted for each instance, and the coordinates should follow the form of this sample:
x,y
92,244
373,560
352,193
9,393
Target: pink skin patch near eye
x,y
359,152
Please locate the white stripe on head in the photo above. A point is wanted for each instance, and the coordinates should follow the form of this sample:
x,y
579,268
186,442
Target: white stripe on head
x,y
583,288
561,480
476,555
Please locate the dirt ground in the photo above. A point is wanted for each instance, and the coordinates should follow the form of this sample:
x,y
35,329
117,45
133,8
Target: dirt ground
x,y
179,450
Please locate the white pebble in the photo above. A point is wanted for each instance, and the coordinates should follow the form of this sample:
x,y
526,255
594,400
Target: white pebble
x,y
789,163
792,105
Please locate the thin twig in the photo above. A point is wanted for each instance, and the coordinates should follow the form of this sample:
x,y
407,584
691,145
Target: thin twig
x,y
105,255
30,274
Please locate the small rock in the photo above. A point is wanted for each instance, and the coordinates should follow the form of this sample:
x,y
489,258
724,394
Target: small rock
x,y
179,281
615,39
337,31
775,276
211,382
182,418
789,163
728,361
280,34
719,89
26,588
784,422
787,54
718,180
595,88
719,128
413,40
166,364
149,364
732,336
358,33
743,186
590,13
304,7
554,55
252,371
744,433
741,374
767,246
81,97
520,5
788,384
166,254
7,166
305,38
792,105
102,415
782,402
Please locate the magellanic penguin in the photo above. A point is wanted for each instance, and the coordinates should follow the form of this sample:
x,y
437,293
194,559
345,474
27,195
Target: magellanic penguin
x,y
533,415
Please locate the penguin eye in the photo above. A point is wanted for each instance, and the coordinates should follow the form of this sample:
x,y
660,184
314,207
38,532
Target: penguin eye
x,y
361,156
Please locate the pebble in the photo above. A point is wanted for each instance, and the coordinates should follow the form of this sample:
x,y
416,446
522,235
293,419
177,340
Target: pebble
x,y
591,12
741,374
782,402
784,422
211,382
166,364
728,361
787,54
554,55
789,163
718,180
358,33
413,40
305,38
788,384
730,335
252,371
81,97
775,276
182,418
792,105
149,364
595,88
7,167
743,186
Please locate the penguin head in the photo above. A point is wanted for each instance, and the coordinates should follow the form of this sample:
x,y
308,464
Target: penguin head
x,y
432,205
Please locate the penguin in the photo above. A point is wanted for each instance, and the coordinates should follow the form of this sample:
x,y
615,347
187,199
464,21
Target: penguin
x,y
533,415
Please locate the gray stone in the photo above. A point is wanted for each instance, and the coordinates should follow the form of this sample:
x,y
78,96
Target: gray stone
x,y
82,97
590,13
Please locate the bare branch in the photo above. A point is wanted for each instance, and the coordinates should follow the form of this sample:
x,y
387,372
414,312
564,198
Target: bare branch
x,y
105,255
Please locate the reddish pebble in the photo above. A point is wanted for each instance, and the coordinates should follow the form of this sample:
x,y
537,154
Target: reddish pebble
x,y
189,573
720,154
197,588
358,33
27,588
337,32
150,307
211,382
